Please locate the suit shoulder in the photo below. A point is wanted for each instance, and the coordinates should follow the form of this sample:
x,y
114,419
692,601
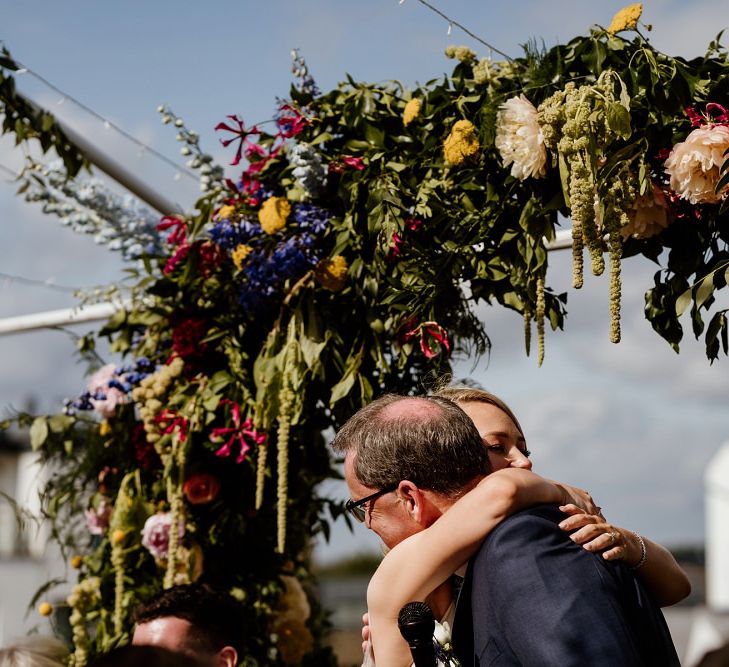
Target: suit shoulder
x,y
540,522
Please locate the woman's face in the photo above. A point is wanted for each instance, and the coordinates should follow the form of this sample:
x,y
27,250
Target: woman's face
x,y
505,444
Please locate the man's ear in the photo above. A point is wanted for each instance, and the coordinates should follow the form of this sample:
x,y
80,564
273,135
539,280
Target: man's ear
x,y
227,657
413,501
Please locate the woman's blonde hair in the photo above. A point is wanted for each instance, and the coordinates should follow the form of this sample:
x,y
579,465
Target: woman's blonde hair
x,y
463,394
34,651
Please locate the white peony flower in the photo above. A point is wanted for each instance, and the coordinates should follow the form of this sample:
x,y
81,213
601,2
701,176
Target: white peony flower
x,y
519,138
694,164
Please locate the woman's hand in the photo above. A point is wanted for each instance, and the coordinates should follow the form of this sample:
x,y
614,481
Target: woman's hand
x,y
572,496
594,533
365,632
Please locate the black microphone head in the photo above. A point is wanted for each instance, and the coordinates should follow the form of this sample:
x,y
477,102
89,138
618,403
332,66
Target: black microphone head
x,y
416,621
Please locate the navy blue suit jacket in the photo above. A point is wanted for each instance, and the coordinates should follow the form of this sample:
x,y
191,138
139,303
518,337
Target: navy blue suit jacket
x,y
533,597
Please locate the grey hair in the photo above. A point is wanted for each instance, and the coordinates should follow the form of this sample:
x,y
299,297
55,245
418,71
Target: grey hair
x,y
433,444
34,651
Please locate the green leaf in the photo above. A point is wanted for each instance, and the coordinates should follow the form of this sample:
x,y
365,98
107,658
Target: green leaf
x,y
683,302
60,423
343,387
38,432
705,290
618,120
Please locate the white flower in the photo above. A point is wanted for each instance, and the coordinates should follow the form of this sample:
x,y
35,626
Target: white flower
x,y
694,164
442,634
519,138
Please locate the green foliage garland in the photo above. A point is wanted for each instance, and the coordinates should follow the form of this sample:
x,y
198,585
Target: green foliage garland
x,y
345,263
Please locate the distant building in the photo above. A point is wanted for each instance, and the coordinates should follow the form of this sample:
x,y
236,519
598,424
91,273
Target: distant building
x,y
28,559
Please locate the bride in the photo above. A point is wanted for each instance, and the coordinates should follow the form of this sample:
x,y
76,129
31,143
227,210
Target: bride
x,y
420,567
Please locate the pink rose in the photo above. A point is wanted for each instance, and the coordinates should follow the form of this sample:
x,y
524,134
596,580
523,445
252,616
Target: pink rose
x,y
156,534
97,519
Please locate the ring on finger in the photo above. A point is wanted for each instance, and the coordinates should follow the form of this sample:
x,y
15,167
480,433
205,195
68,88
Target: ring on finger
x,y
613,538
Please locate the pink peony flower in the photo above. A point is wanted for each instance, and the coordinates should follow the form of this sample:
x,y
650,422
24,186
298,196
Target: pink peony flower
x,y
694,164
156,534
99,384
97,519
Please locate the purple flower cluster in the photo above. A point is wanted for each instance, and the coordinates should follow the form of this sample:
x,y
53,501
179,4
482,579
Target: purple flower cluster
x,y
229,235
109,386
266,271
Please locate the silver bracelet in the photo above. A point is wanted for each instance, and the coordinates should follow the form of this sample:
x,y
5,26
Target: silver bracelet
x,y
643,553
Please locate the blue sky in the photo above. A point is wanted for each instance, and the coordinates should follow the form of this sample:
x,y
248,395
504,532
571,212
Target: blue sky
x,y
636,424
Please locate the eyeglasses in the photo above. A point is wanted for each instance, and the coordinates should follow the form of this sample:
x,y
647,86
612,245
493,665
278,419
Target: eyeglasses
x,y
357,507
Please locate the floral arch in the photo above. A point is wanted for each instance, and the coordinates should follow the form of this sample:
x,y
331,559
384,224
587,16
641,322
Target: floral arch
x,y
333,270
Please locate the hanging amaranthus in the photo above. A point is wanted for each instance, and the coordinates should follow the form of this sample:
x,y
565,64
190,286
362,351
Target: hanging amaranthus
x,y
282,439
261,473
527,327
581,123
84,597
539,316
175,496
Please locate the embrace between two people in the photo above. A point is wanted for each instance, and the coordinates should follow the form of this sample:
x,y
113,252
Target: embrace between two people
x,y
549,580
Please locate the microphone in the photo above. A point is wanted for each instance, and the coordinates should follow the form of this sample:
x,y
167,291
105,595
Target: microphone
x,y
416,624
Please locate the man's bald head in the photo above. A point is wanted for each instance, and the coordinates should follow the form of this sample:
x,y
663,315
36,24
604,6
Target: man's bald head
x,y
427,440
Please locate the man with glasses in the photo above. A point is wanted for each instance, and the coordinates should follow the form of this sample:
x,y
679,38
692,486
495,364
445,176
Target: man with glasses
x,y
531,595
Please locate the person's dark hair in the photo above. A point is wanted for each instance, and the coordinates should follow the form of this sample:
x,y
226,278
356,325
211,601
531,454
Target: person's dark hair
x,y
145,656
429,441
216,618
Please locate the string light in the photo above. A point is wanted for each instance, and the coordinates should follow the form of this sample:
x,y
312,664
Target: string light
x,y
106,122
452,23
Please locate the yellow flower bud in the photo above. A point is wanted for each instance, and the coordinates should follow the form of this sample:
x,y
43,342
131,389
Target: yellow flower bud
x,y
626,18
332,273
240,253
225,212
45,608
117,537
411,112
76,562
104,428
273,214
461,143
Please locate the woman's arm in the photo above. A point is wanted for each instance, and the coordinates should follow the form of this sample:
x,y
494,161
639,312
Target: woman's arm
x,y
419,564
659,573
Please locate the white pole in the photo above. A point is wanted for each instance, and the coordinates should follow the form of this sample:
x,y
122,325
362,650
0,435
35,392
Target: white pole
x,y
59,318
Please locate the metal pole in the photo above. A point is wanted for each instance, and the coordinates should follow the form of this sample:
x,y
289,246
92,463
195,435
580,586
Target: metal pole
x,y
113,169
59,318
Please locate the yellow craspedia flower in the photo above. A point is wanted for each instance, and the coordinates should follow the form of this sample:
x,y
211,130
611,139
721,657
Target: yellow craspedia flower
x,y
240,253
273,214
461,143
76,562
411,112
626,18
332,273
117,537
45,608
224,212
104,428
